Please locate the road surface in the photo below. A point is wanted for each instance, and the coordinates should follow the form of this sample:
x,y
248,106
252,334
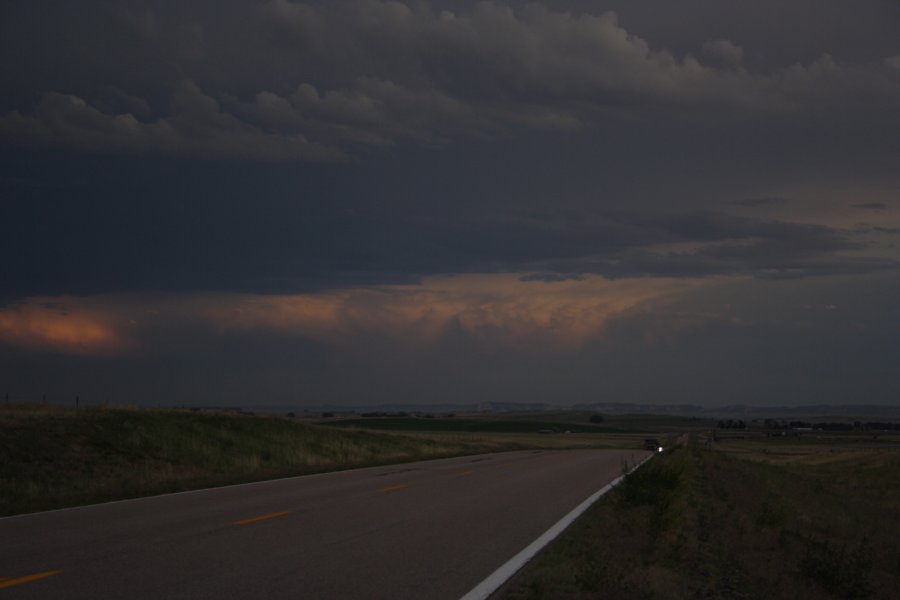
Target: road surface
x,y
430,529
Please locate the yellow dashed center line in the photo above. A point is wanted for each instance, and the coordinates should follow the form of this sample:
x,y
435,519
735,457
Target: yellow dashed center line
x,y
6,582
261,518
461,473
394,488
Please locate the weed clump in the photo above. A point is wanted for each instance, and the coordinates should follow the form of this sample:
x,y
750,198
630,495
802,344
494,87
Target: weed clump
x,y
658,486
838,569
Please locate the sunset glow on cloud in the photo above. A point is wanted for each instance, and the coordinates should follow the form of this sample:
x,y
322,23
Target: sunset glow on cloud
x,y
499,309
496,309
45,325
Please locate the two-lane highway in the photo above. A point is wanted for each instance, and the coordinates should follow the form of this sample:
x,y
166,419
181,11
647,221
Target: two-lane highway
x,y
431,529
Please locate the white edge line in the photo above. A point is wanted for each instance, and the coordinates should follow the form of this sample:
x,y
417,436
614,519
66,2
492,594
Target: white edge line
x,y
493,581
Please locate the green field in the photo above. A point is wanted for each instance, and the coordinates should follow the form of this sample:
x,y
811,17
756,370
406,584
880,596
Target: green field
x,y
814,517
481,425
530,422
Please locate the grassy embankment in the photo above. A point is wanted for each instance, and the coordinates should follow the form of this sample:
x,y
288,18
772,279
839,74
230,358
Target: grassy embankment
x,y
54,457
51,457
745,519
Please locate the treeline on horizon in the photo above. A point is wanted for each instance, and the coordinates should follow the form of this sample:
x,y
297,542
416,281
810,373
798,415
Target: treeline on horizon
x,y
774,424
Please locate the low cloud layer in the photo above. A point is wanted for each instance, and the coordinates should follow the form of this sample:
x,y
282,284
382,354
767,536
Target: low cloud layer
x,y
476,339
333,249
500,311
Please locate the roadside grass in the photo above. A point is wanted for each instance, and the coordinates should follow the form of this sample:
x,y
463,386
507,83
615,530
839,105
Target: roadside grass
x,y
707,523
53,457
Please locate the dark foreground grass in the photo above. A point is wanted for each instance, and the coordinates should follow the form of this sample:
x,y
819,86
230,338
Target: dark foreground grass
x,y
698,523
52,457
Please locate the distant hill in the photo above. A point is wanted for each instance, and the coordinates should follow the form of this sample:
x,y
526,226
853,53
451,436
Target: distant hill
x,y
747,412
610,408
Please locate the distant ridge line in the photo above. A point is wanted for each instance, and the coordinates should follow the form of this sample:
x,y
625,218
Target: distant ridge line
x,y
611,408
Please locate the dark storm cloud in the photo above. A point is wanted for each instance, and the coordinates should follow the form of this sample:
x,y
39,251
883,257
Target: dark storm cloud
x,y
285,80
726,245
562,245
211,202
216,228
644,112
865,228
198,127
754,202
754,260
826,343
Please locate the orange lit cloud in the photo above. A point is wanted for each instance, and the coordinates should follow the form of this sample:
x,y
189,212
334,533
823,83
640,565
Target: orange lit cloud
x,y
495,308
56,326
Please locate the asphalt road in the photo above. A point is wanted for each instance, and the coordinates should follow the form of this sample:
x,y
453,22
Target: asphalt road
x,y
431,529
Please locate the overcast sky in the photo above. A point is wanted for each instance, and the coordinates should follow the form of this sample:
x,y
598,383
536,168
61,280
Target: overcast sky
x,y
360,202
